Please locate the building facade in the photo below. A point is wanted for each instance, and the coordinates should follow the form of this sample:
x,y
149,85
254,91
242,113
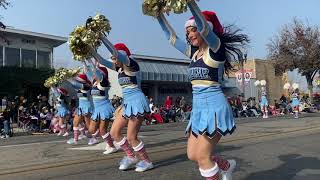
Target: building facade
x,y
20,48
26,60
258,69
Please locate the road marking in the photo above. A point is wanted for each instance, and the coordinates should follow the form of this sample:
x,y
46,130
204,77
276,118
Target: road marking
x,y
28,144
100,146
60,141
89,159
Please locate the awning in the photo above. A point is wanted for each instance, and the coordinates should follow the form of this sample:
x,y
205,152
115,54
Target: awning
x,y
163,71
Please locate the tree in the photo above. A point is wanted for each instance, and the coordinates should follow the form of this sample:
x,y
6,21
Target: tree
x,y
297,46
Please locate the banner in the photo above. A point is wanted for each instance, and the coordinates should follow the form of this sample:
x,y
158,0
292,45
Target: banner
x,y
247,74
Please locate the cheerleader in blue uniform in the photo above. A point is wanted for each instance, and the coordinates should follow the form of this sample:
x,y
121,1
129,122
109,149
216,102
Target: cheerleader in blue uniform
x,y
83,86
210,48
131,113
103,109
62,110
264,103
295,103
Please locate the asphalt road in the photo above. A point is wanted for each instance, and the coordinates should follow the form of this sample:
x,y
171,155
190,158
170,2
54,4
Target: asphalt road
x,y
277,148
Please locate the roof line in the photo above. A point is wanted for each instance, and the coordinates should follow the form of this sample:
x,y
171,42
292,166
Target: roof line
x,y
30,33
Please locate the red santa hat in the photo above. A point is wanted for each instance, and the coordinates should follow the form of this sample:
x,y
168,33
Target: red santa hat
x,y
122,48
212,20
104,70
82,78
63,91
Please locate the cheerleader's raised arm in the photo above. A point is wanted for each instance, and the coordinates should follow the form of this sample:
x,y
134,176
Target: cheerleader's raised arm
x,y
55,91
108,63
119,55
171,35
89,70
75,84
203,26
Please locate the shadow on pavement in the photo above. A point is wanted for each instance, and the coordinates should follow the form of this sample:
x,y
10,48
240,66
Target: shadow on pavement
x,y
293,164
183,157
163,143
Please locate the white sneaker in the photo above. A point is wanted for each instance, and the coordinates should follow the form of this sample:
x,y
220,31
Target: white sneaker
x,y
110,150
227,175
82,136
72,141
93,141
65,134
116,145
143,166
4,136
127,163
60,133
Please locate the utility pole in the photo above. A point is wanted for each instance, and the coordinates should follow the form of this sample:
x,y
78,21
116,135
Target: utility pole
x,y
242,73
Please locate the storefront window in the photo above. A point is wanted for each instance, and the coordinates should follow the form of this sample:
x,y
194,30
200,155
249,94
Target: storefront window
x,y
28,58
44,59
12,57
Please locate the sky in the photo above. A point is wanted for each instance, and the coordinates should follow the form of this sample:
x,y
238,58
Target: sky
x,y
261,20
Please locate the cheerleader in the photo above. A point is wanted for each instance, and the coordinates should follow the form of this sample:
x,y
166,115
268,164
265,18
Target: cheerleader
x,y
264,102
103,109
62,111
83,86
131,113
210,48
295,103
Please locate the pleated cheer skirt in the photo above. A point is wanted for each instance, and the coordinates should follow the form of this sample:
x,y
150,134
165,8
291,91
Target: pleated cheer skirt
x,y
295,102
264,101
102,109
85,107
211,113
135,103
62,112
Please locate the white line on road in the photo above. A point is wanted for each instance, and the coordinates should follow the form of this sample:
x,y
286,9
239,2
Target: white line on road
x,y
49,142
28,144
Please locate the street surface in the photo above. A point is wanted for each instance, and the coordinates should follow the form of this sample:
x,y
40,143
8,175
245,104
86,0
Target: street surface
x,y
280,148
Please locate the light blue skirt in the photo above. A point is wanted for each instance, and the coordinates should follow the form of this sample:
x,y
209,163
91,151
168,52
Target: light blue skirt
x,y
102,110
62,112
295,102
264,101
85,107
135,103
211,113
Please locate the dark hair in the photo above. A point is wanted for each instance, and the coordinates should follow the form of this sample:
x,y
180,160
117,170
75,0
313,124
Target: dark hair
x,y
233,43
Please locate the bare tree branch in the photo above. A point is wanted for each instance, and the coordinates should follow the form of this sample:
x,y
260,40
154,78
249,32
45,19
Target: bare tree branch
x,y
296,46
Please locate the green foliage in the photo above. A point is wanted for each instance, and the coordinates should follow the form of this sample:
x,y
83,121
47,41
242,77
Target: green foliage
x,y
23,81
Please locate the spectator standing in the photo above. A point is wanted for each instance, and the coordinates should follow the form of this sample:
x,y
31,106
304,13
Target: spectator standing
x,y
182,106
168,102
6,122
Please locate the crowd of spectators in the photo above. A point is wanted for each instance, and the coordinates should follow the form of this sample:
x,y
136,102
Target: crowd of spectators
x,y
32,113
250,107
36,114
170,111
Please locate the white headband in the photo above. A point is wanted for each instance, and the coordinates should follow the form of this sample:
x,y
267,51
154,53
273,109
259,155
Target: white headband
x,y
192,22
